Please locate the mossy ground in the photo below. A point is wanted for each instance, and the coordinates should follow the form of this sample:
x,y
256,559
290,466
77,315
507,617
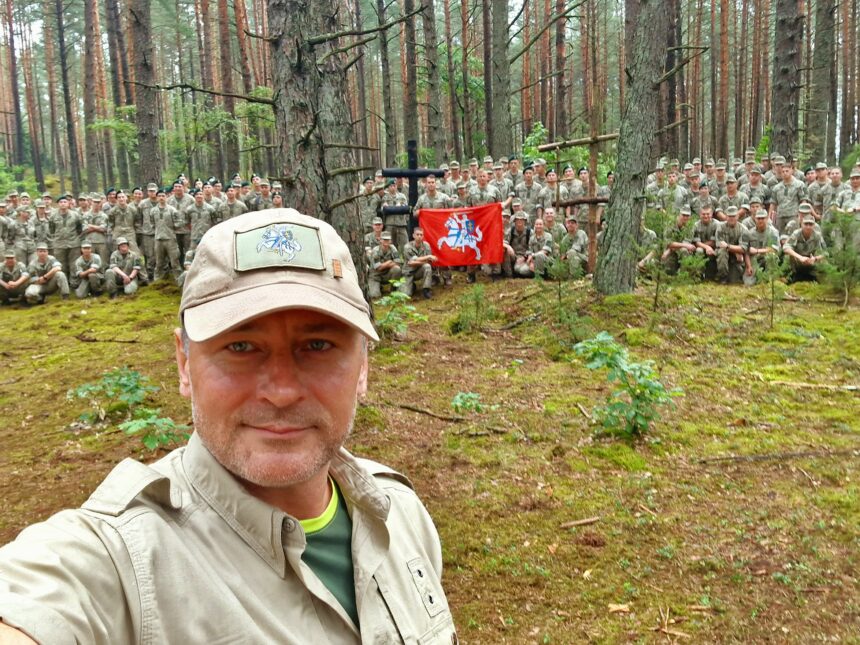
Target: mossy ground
x,y
732,551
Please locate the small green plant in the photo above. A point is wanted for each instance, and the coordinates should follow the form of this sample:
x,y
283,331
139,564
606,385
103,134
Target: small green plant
x,y
155,431
116,393
473,312
399,312
630,410
771,272
469,402
842,269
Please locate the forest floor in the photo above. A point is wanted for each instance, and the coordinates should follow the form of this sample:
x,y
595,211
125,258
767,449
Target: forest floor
x,y
737,520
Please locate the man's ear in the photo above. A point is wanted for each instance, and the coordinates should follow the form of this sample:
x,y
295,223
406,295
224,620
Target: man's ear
x,y
182,364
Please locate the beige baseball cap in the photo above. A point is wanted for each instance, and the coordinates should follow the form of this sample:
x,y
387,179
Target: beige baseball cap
x,y
267,261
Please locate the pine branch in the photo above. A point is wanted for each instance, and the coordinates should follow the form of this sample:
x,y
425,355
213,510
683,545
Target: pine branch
x,y
351,169
678,68
565,13
350,146
193,88
342,50
268,39
324,38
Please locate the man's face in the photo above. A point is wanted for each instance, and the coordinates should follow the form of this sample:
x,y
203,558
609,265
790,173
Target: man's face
x,y
122,199
721,173
198,198
786,172
821,175
551,177
539,226
42,254
87,252
529,175
150,192
162,199
368,186
385,243
754,208
483,178
549,217
673,178
123,249
755,178
807,228
520,224
855,183
572,225
265,189
418,235
377,228
583,176
705,215
514,165
207,190
274,399
430,184
231,193
498,173
835,176
731,219
277,199
10,263
731,187
568,174
760,223
63,204
178,190
137,194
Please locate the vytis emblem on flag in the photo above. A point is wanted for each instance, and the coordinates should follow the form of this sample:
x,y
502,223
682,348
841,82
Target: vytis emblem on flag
x,y
280,240
463,233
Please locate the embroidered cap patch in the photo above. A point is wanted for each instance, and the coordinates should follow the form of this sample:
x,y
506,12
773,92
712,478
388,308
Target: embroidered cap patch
x,y
279,245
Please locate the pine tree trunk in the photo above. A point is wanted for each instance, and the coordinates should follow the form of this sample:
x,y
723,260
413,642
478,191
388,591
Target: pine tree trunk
x,y
722,147
786,76
119,80
528,93
33,118
502,142
436,135
103,109
824,81
361,117
90,80
231,134
147,98
847,64
487,48
452,84
561,118
467,108
387,108
741,87
18,148
59,156
74,158
410,86
616,268
311,110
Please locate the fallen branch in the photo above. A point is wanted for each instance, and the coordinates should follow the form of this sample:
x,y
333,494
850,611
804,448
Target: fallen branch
x,y
818,386
415,408
584,522
518,322
584,411
89,339
778,456
572,143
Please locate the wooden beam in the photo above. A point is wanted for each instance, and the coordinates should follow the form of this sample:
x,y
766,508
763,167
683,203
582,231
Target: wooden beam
x,y
586,141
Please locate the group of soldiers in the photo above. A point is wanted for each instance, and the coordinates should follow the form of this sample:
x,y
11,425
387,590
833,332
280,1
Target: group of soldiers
x,y
733,215
116,241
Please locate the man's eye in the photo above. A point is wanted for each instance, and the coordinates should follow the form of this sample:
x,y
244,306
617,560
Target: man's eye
x,y
240,346
319,345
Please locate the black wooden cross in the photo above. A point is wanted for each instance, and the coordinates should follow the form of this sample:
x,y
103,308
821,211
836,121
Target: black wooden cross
x,y
412,173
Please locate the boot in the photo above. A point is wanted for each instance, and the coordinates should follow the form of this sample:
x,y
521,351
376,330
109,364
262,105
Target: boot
x,y
427,293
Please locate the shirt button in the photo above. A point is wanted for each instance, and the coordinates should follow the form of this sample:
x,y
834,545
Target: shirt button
x,y
290,526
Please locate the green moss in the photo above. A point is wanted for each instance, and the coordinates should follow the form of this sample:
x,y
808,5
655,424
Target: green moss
x,y
638,337
620,455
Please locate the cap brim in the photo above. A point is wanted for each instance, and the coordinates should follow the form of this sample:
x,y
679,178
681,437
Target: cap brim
x,y
209,319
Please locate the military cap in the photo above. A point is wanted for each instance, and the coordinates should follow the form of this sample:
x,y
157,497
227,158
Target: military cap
x,y
235,176
13,193
211,180
808,219
152,186
378,173
688,166
121,240
9,253
855,173
756,169
386,235
731,179
110,190
685,210
389,182
86,245
46,194
745,206
721,166
462,184
378,186
39,203
376,220
774,156
750,150
3,204
512,157
808,169
528,167
443,166
81,196
96,197
454,164
551,170
540,161
761,213
610,174
193,192
246,183
473,161
709,161
498,166
264,182
697,160
41,246
572,218
236,184
520,215
804,208
731,210
163,189
488,159
821,166
503,160
674,162
276,185
659,166
779,159
516,202
755,200
736,161
25,194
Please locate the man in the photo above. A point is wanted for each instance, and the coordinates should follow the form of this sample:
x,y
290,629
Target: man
x,y
806,250
718,183
731,197
849,200
46,277
758,242
513,172
201,217
556,230
418,265
181,201
384,265
703,200
125,269
551,193
366,206
705,241
680,242
817,190
22,236
89,278
527,191
730,252
484,192
66,229
516,244
374,238
166,220
796,224
13,278
502,184
756,188
232,206
574,247
277,533
395,224
122,221
830,194
673,196
787,196
264,199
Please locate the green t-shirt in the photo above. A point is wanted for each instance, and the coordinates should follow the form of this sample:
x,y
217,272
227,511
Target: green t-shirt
x,y
329,551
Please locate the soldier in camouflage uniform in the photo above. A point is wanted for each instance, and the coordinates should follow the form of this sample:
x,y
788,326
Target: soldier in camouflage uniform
x,y
46,277
574,247
541,249
201,216
574,186
232,206
550,194
186,265
757,188
758,242
166,220
795,225
787,196
433,198
385,266
13,278
849,200
395,224
516,246
806,250
373,239
484,193
123,219
89,272
446,184
125,269
679,235
705,240
817,190
730,252
704,198
556,230
461,200
673,196
366,205
42,226
717,184
23,237
732,197
66,230
418,261
502,184
180,200
527,192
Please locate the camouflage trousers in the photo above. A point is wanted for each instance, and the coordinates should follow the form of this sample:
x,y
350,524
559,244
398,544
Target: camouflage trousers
x,y
58,282
166,258
67,257
16,292
93,284
376,279
113,281
422,274
729,267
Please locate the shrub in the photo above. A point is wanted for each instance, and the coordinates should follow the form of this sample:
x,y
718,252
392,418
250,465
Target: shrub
x,y
399,313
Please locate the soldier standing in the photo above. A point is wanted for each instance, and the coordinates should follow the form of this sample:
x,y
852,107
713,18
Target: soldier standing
x,y
200,216
66,230
541,249
787,195
396,224
166,220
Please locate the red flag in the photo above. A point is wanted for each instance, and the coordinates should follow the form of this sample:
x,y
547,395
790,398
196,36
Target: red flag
x,y
460,236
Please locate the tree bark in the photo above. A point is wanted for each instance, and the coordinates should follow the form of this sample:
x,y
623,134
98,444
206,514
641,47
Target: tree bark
x,y
502,143
147,98
32,118
230,140
436,137
467,108
616,267
310,110
452,84
822,135
786,76
59,156
18,147
410,87
387,109
487,47
562,126
74,158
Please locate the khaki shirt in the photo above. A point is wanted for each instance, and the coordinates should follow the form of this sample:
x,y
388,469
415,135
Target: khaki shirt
x,y
379,256
100,220
66,230
167,222
126,263
228,211
13,274
122,221
411,251
179,552
814,245
82,264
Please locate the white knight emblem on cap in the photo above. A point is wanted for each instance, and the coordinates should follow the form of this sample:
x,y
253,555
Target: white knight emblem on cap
x,y
279,239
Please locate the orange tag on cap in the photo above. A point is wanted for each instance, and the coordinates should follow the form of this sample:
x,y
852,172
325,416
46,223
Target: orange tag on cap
x,y
336,269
